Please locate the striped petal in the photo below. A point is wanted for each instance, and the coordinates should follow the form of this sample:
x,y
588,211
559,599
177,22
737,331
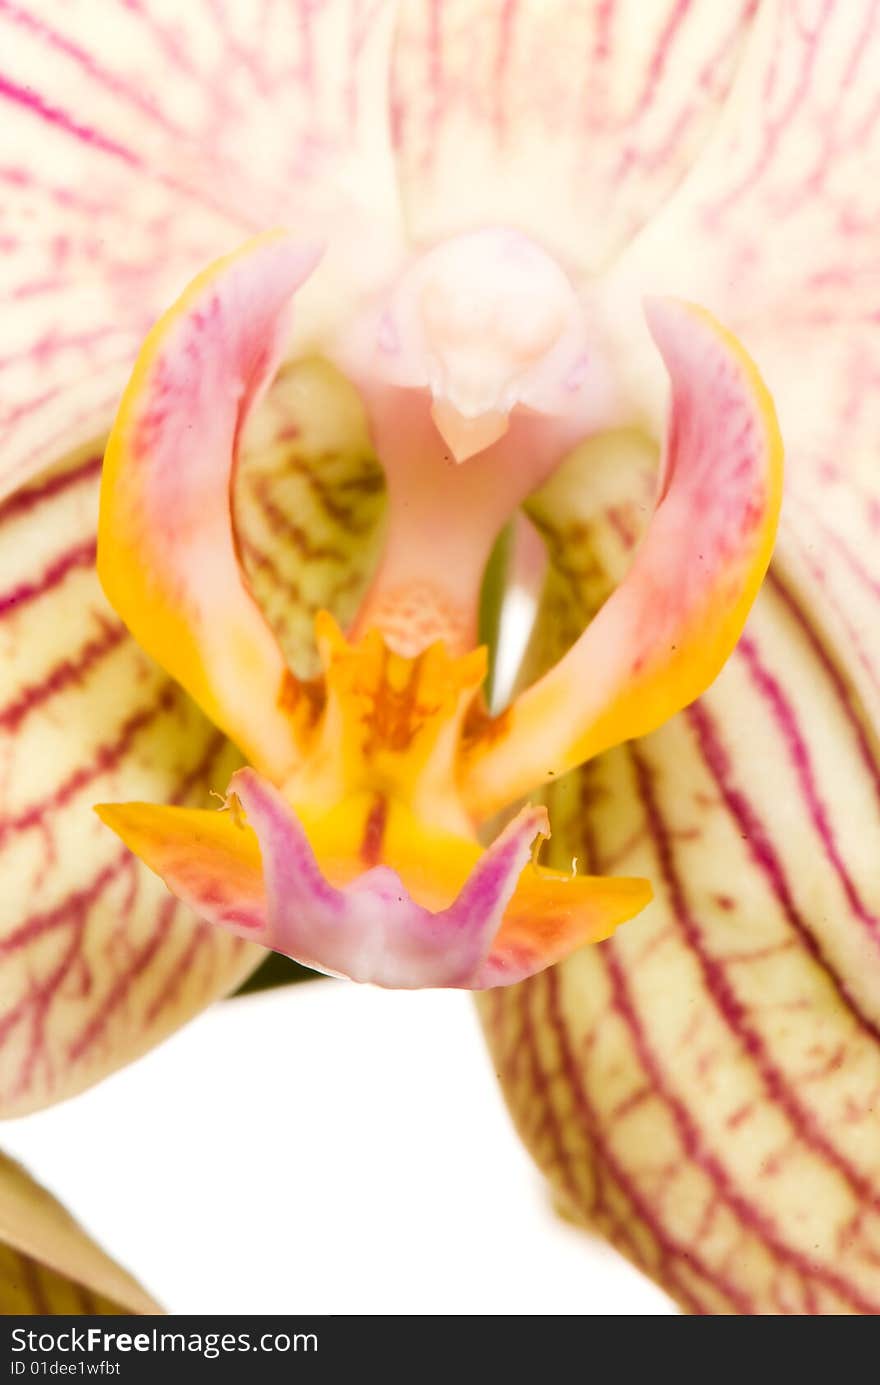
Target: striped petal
x,y
702,1088
755,1095
167,555
48,1264
664,634
428,910
777,230
571,121
139,146
97,963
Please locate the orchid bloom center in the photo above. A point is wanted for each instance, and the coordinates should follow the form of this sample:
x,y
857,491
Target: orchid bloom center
x,y
353,842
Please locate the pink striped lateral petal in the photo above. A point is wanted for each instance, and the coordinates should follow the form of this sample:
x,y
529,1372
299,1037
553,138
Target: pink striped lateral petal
x,y
369,894
777,232
48,1263
140,144
97,964
702,1089
664,634
167,554
572,122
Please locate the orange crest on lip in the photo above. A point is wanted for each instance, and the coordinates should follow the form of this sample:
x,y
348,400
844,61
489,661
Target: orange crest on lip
x,y
388,723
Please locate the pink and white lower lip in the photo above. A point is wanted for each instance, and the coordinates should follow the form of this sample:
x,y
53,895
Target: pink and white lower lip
x,y
371,930
472,919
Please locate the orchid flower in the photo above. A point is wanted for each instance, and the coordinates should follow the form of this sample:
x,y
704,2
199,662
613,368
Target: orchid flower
x,y
509,237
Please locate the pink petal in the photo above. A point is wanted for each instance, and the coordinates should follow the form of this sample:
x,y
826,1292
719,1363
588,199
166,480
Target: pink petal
x,y
702,1088
572,122
471,919
167,555
778,231
710,1074
373,930
664,634
139,147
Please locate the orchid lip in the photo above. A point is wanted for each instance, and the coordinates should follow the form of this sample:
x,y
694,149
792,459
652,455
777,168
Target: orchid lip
x,y
445,914
363,863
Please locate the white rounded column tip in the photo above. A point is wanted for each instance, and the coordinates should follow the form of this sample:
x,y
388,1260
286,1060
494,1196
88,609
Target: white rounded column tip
x,y
466,435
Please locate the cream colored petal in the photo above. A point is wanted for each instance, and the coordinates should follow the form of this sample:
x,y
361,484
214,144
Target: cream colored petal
x,y
573,120
49,1264
703,1088
138,143
97,964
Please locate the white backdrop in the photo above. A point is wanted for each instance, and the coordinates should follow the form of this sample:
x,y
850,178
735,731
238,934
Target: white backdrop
x,y
325,1148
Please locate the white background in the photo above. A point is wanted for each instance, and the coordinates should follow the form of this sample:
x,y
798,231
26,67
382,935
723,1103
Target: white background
x,y
324,1148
